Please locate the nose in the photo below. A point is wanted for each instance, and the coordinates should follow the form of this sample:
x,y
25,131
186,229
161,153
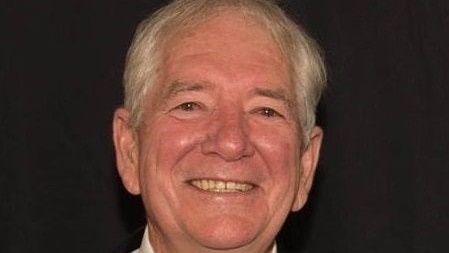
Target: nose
x,y
228,137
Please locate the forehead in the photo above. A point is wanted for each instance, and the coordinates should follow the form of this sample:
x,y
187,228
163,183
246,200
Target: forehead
x,y
228,39
223,28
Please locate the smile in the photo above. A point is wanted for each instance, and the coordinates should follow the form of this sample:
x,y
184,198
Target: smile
x,y
220,186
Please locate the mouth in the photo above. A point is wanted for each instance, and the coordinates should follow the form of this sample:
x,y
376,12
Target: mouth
x,y
220,186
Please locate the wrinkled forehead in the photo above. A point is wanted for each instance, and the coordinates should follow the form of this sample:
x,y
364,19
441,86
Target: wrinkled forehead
x,y
220,31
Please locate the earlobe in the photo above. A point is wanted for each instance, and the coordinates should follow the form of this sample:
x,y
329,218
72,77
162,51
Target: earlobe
x,y
126,151
309,161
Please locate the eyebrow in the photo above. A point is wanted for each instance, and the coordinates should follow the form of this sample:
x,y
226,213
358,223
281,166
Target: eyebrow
x,y
277,94
181,86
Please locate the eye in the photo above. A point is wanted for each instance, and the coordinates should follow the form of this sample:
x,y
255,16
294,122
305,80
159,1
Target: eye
x,y
188,110
268,112
188,106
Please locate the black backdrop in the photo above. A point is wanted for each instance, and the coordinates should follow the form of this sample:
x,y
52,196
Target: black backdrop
x,y
382,180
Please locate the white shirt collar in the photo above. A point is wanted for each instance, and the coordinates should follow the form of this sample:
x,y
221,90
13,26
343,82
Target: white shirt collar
x,y
145,246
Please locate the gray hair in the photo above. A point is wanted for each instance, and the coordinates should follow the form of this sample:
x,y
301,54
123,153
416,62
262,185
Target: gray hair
x,y
303,54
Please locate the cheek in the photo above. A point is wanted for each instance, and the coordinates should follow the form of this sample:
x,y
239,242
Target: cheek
x,y
284,162
162,148
279,143
280,151
171,140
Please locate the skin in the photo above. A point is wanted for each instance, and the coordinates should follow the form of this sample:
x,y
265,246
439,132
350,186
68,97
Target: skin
x,y
222,110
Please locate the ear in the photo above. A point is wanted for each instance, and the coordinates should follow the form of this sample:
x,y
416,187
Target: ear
x,y
126,151
309,161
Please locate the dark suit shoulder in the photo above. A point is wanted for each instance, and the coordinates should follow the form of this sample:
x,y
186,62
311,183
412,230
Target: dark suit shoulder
x,y
289,251
282,249
132,242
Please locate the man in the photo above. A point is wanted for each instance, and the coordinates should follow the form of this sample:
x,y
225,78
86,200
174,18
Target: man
x,y
218,132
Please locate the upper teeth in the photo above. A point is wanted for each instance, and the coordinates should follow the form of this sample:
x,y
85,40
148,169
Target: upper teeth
x,y
221,186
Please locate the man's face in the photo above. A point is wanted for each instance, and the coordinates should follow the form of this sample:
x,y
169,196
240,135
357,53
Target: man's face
x,y
217,157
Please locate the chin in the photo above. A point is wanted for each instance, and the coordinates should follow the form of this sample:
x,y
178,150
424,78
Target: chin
x,y
228,233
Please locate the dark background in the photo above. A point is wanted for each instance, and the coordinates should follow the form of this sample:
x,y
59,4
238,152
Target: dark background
x,y
382,184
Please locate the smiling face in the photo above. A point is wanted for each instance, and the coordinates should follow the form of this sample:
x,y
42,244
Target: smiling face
x,y
217,157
